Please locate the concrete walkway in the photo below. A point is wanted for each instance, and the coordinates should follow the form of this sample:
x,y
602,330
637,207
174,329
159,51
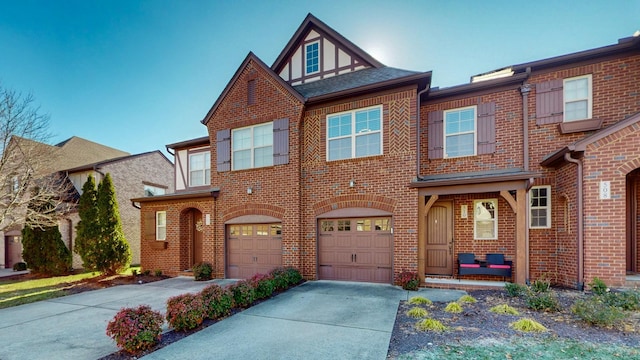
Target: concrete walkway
x,y
317,320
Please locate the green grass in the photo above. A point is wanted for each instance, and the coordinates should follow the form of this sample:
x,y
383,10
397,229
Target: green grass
x,y
19,292
540,349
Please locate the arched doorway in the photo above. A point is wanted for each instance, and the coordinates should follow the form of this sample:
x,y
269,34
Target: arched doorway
x,y
192,237
633,225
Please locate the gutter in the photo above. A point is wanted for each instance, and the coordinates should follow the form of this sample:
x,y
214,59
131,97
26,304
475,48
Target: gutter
x,y
418,130
580,269
524,91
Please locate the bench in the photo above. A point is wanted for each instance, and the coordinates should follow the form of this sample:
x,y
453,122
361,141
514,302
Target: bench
x,y
495,265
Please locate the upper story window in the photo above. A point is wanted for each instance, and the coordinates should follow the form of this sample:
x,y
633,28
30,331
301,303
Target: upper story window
x,y
312,58
485,219
460,132
354,134
577,98
252,146
150,190
200,169
540,207
161,225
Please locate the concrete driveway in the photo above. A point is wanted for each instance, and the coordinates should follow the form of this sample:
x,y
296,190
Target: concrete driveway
x,y
317,320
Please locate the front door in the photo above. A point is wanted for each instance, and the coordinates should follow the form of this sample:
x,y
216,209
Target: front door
x,y
13,248
439,248
633,225
198,236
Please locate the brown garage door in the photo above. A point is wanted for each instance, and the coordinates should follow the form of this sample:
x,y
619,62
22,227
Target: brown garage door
x,y
252,249
356,249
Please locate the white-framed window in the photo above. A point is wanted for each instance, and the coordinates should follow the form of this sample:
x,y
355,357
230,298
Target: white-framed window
x,y
577,98
540,207
15,184
200,169
252,147
150,190
161,225
485,219
312,58
460,132
354,134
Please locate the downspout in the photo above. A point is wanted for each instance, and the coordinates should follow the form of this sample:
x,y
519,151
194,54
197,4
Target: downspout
x,y
418,130
524,91
580,284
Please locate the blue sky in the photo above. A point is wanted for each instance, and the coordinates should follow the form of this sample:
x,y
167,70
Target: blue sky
x,y
137,75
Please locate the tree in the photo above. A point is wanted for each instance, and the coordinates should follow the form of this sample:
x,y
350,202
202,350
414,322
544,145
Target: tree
x,y
88,228
25,163
44,251
101,242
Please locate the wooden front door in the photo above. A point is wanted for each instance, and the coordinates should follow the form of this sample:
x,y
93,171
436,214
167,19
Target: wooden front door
x,y
439,244
633,225
198,236
13,248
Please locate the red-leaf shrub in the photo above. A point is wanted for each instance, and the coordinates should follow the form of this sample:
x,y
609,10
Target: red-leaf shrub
x,y
185,312
217,301
279,276
263,284
244,293
136,329
408,280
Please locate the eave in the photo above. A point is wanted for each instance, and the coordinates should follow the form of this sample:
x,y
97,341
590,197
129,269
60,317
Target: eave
x,y
210,193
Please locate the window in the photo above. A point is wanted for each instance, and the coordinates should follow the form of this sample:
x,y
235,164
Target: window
x,y
200,169
161,225
577,98
150,190
485,219
354,134
252,147
460,132
312,58
15,184
540,207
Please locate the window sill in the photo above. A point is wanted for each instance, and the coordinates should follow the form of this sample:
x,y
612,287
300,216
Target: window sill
x,y
579,126
159,245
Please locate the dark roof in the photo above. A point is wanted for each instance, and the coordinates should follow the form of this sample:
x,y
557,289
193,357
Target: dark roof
x,y
110,161
189,143
474,177
358,80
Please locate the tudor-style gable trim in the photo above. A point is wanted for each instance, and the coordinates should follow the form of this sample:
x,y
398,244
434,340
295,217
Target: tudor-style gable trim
x,y
251,57
312,30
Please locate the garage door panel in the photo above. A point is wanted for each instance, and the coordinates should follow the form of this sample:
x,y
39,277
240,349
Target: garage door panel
x,y
254,248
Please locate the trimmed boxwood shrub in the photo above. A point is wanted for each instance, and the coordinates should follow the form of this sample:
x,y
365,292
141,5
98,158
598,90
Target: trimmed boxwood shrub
x,y
263,284
244,293
185,312
293,276
202,271
136,329
217,301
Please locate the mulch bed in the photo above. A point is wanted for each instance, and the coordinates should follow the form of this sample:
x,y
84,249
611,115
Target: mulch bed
x,y
476,323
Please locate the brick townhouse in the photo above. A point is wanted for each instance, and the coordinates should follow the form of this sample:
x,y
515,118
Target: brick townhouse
x,y
334,163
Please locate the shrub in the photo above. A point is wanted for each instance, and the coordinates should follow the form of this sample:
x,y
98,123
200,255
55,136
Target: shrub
x,y
44,250
202,271
453,307
408,280
540,301
136,329
217,301
185,312
467,299
280,279
540,286
158,272
598,286
293,275
515,290
263,285
146,272
134,272
419,300
430,325
504,310
626,300
20,266
417,312
244,293
594,311
527,325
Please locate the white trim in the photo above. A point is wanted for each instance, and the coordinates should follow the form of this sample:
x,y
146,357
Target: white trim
x,y
159,226
353,135
207,166
252,147
548,207
474,132
494,219
589,97
304,60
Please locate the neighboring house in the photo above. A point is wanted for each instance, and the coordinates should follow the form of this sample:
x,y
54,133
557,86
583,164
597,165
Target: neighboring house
x,y
145,174
350,170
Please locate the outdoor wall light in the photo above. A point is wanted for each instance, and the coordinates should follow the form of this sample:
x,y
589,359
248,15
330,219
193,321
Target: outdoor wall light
x,y
352,183
249,191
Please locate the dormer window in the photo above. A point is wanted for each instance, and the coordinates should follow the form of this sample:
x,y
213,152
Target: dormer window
x,y
312,58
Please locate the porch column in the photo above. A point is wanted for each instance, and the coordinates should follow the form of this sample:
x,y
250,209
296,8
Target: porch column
x,y
521,237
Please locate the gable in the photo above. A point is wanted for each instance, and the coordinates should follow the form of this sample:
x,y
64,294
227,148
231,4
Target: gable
x,y
318,52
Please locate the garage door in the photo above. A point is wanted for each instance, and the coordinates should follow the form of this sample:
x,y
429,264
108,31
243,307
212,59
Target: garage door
x,y
252,249
356,249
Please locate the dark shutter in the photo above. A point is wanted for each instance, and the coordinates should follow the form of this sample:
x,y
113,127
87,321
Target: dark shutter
x,y
549,104
435,135
486,128
223,150
150,226
280,141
